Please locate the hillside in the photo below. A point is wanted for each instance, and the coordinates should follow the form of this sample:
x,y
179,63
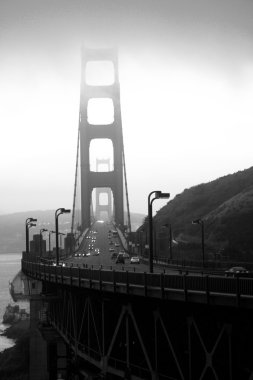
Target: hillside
x,y
226,207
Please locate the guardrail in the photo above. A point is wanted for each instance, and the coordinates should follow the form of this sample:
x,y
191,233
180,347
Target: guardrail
x,y
219,290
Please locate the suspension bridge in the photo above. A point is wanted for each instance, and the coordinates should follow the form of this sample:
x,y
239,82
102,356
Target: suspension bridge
x,y
94,318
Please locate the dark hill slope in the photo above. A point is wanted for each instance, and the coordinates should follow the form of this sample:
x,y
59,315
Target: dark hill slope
x,y
225,205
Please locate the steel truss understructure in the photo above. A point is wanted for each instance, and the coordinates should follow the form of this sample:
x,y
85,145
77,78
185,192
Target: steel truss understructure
x,y
139,338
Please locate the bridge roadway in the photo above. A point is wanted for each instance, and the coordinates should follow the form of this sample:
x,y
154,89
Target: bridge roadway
x,y
100,237
132,324
86,269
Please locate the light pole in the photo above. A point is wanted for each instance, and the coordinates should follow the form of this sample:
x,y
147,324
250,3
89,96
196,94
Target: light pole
x,y
28,223
168,225
130,247
41,232
201,222
49,240
141,239
157,195
58,212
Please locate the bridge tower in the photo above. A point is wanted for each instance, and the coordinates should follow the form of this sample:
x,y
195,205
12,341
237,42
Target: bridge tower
x,y
112,179
103,191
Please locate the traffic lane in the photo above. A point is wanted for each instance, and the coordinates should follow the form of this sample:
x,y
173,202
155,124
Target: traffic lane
x,y
104,258
100,237
106,262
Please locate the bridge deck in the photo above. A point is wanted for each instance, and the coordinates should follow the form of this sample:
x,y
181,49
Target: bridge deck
x,y
216,290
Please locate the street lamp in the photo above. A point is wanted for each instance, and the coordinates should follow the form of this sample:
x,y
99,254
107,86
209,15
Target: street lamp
x,y
130,247
41,232
28,224
58,212
141,240
201,222
168,225
157,195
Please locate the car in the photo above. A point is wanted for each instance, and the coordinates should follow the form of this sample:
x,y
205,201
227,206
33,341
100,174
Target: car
x,y
111,250
120,259
135,260
114,255
117,245
236,271
125,255
110,242
96,251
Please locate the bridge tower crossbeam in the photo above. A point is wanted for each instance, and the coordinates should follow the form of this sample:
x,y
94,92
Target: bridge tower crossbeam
x,y
100,208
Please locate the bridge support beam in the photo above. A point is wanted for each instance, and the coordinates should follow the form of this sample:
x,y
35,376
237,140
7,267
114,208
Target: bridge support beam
x,y
38,346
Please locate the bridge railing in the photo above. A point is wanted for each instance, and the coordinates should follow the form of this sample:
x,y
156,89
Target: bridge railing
x,y
160,285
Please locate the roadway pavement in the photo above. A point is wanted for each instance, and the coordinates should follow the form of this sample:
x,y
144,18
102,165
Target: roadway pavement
x,y
97,247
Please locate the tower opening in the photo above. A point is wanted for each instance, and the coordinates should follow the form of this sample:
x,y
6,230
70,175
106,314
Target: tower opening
x,y
100,111
101,153
103,203
99,73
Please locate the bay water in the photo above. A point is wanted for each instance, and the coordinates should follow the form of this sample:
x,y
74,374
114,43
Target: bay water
x,y
10,265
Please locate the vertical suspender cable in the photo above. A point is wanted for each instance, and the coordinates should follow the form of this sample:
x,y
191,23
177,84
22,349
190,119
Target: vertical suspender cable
x,y
75,185
125,178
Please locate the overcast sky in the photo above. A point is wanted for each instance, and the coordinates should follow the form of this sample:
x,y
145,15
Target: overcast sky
x,y
186,76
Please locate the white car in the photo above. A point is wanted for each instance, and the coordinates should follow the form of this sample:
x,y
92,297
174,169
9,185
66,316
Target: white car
x,y
135,260
236,271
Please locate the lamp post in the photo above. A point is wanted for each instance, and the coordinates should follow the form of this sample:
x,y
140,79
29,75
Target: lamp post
x,y
157,195
201,222
130,247
28,223
141,239
49,240
168,225
41,232
58,212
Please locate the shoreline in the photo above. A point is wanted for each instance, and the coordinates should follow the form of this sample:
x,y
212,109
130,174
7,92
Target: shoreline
x,y
16,330
14,361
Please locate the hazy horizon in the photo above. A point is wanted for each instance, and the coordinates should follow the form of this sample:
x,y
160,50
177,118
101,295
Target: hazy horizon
x,y
186,80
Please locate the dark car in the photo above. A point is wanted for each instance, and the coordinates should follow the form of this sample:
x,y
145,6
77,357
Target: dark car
x,y
114,255
120,259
